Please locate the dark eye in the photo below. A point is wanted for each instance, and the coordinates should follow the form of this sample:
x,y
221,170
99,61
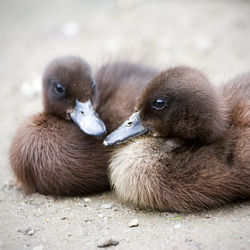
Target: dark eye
x,y
159,104
59,89
92,84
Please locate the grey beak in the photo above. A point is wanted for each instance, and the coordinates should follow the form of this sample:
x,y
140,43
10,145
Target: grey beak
x,y
129,129
87,119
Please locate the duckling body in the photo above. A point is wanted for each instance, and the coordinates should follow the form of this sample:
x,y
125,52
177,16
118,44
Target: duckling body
x,y
50,153
178,173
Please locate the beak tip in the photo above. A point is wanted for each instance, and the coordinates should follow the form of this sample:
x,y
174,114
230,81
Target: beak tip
x,y
100,135
129,129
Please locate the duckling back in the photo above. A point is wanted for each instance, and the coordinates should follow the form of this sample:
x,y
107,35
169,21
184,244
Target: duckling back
x,y
120,85
237,96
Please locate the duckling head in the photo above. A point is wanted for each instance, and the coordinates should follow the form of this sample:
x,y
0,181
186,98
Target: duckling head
x,y
179,102
69,93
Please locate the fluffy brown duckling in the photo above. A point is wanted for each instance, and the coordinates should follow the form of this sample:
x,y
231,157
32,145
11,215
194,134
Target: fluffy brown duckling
x,y
195,153
50,153
55,152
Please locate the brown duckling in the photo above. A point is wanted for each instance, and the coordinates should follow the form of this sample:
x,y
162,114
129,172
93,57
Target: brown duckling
x,y
49,153
195,151
55,152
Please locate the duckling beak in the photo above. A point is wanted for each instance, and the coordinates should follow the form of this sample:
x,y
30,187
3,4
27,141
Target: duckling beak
x,y
129,129
87,119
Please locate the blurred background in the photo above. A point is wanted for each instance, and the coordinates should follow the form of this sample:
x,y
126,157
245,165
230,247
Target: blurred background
x,y
213,35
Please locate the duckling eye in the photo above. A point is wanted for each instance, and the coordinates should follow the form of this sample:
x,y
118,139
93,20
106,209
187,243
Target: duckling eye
x,y
92,84
159,104
59,89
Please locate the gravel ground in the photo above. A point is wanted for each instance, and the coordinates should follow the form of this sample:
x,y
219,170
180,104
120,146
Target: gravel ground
x,y
211,35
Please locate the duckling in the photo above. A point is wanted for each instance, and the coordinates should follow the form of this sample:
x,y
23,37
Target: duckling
x,y
52,155
55,152
192,150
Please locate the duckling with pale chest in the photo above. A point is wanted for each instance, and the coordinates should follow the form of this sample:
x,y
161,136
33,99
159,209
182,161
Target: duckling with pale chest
x,y
193,145
56,152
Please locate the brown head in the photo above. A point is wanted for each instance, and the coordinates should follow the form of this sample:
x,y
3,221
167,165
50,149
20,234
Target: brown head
x,y
179,102
69,93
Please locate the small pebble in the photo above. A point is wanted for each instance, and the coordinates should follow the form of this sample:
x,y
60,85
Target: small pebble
x,y
64,218
31,232
108,243
177,226
171,216
133,223
87,200
116,209
107,206
27,231
100,215
106,218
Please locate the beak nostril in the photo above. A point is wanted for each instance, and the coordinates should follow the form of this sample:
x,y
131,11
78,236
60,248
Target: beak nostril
x,y
68,116
129,124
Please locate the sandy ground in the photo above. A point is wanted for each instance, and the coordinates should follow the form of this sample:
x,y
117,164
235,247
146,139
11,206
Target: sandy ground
x,y
211,35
